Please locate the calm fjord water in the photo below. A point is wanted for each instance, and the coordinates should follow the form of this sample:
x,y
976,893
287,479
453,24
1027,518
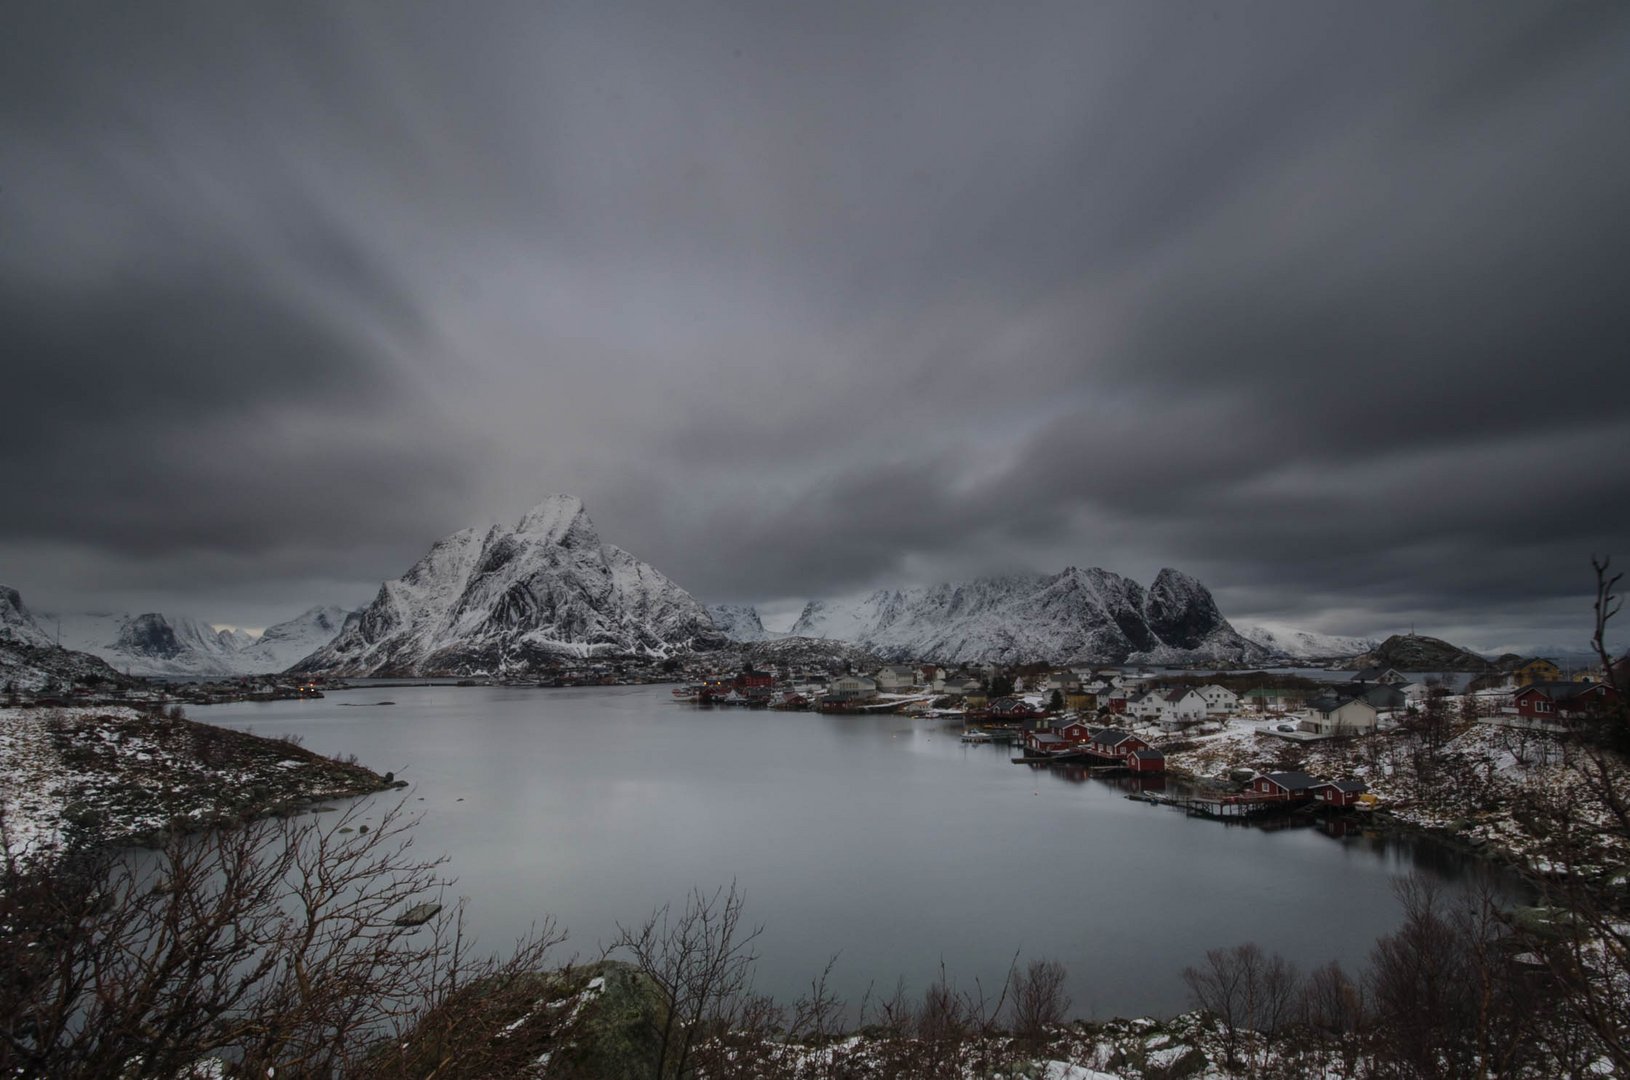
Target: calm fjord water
x,y
881,839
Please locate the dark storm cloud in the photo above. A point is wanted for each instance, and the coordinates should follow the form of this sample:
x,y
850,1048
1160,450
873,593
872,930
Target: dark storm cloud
x,y
1322,303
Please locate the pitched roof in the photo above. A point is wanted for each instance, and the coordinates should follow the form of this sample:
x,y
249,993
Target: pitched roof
x,y
1111,736
1348,786
1149,755
1292,781
1559,691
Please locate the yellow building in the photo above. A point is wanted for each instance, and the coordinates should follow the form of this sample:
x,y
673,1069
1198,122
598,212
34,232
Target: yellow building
x,y
1537,670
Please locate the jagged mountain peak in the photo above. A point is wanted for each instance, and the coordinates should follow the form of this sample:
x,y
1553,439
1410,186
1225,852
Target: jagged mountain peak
x,y
740,623
509,600
1179,610
558,519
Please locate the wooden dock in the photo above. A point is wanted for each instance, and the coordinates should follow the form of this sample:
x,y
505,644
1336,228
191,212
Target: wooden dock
x,y
1225,807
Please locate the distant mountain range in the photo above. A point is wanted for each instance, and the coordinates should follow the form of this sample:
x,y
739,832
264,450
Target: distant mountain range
x,y
512,600
509,601
170,645
1088,616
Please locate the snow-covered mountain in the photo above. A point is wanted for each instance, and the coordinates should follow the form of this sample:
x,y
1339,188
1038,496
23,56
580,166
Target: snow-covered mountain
x,y
30,659
1296,644
739,623
280,646
1090,616
150,643
508,600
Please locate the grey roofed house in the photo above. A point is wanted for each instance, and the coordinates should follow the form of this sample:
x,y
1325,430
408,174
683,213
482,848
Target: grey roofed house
x,y
1292,781
1110,736
1348,786
1380,695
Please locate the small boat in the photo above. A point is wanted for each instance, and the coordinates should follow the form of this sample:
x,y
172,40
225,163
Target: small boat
x,y
975,735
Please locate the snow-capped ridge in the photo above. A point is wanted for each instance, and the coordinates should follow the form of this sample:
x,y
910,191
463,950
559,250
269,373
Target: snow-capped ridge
x,y
1297,644
1087,615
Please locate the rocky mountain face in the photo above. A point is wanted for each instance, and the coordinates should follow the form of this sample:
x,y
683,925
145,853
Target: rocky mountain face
x,y
1086,616
506,601
30,659
17,624
739,622
1413,652
1293,644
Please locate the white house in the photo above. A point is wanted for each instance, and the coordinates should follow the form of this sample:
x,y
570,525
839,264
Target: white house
x,y
896,679
1147,704
1337,716
1218,699
1185,706
1062,681
851,687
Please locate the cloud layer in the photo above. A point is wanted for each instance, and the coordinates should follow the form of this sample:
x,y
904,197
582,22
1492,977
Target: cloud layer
x,y
1321,303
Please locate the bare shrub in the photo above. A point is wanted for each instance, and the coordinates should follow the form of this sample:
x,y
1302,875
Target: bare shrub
x,y
1038,999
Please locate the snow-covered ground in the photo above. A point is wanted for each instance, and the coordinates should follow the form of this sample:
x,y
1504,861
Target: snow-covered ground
x,y
95,774
1481,785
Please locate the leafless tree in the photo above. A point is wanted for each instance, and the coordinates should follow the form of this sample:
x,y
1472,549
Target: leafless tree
x,y
1589,833
280,945
701,962
1249,993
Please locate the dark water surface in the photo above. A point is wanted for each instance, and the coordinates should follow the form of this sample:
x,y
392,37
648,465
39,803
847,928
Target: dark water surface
x,y
882,839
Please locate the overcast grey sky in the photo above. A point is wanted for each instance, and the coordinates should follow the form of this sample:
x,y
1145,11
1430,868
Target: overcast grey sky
x,y
1323,303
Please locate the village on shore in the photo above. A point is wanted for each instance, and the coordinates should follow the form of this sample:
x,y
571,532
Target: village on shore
x,y
1246,745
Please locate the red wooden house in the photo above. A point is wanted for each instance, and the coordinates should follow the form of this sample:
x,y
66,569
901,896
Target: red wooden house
x,y
1012,708
1284,785
1558,700
1045,742
1339,792
1078,731
1113,742
1146,761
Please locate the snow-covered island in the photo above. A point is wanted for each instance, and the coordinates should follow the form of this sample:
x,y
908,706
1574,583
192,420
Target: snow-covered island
x,y
85,776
